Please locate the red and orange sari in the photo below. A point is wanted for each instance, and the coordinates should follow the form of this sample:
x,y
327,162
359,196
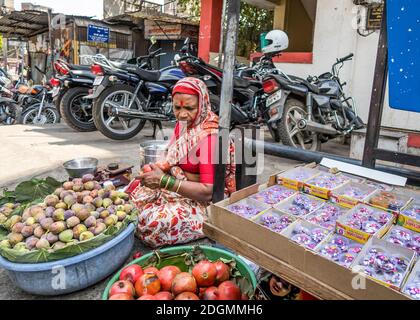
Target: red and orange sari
x,y
167,218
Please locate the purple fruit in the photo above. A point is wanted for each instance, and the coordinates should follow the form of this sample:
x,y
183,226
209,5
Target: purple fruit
x,y
52,238
90,222
46,223
31,243
87,178
68,214
49,212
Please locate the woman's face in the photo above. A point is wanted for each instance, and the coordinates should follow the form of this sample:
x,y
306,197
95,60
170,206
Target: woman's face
x,y
185,107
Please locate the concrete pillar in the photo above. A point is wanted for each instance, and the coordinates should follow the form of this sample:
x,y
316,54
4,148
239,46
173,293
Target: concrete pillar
x,y
210,28
280,15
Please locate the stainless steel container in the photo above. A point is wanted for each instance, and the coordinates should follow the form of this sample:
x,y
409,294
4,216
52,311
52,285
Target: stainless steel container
x,y
153,151
77,168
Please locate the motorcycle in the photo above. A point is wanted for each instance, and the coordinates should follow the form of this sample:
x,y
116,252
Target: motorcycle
x,y
10,111
72,84
126,95
37,104
307,113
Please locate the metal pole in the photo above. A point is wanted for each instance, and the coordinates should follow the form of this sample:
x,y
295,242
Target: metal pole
x,y
222,34
50,42
233,12
378,96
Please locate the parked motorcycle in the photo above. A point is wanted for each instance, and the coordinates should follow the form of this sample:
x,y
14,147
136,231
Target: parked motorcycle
x,y
10,111
307,113
37,103
126,96
73,83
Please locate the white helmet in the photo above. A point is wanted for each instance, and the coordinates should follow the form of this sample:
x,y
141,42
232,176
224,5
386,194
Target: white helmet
x,y
277,41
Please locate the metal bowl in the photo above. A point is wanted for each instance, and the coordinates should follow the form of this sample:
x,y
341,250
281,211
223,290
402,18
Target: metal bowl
x,y
77,168
153,151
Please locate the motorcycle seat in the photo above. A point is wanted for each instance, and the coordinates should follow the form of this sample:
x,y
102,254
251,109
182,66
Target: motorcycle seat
x,y
150,76
84,74
77,67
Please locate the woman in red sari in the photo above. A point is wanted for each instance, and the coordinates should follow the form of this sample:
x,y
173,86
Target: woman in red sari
x,y
173,205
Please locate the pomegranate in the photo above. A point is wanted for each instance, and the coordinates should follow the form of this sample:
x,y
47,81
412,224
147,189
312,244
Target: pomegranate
x,y
121,296
164,166
184,282
210,294
147,297
147,168
164,296
223,272
137,255
151,270
205,273
187,296
229,291
124,287
148,284
131,273
167,275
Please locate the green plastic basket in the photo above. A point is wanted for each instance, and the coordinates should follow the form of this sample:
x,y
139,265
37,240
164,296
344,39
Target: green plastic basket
x,y
213,254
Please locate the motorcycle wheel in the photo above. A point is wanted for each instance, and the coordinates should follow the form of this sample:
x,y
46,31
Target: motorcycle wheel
x,y
289,132
77,111
113,127
10,114
48,116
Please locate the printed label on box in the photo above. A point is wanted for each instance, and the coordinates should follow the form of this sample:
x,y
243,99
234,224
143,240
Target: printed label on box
x,y
409,223
291,184
346,201
353,234
318,192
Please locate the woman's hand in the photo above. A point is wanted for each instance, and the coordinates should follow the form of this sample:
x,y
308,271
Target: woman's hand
x,y
152,179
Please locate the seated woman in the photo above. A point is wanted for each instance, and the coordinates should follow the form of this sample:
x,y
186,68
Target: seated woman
x,y
173,206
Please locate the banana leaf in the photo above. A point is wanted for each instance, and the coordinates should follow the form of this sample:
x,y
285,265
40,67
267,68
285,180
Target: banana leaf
x,y
71,250
35,190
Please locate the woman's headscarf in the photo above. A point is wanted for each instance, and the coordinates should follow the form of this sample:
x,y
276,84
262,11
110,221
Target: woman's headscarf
x,y
205,124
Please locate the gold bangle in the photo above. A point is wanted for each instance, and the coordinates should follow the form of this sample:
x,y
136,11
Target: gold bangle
x,y
179,186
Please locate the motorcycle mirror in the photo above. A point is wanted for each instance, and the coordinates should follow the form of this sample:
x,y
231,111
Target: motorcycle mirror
x,y
187,41
153,40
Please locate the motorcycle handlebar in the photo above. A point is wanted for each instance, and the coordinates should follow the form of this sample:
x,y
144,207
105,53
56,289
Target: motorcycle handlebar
x,y
346,58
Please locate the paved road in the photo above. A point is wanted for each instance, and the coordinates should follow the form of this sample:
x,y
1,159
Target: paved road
x,y
40,151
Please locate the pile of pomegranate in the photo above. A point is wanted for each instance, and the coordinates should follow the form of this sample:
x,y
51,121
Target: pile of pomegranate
x,y
208,281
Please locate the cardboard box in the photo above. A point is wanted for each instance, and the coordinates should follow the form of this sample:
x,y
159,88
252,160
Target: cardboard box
x,y
410,216
404,237
293,205
295,178
413,283
379,185
255,207
323,217
305,228
275,216
359,235
343,197
336,247
249,231
390,249
380,199
272,196
313,186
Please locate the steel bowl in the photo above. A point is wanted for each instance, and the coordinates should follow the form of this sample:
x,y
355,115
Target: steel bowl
x,y
153,151
77,168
